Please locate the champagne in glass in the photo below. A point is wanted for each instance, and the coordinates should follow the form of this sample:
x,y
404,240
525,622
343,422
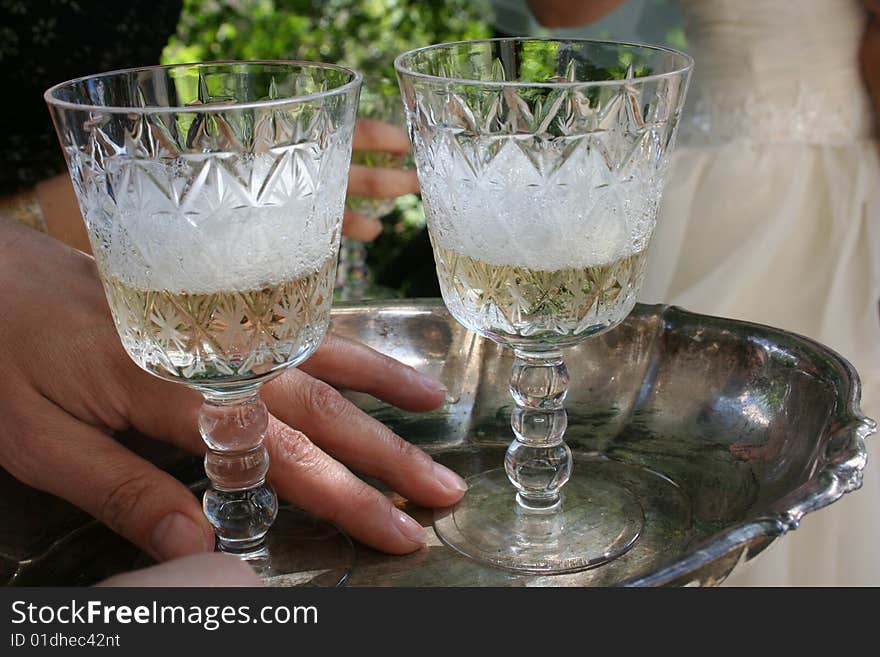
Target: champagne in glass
x,y
508,302
202,336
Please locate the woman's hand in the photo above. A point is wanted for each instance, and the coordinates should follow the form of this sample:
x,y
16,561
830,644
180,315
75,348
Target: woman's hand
x,y
67,385
197,570
571,13
376,182
869,56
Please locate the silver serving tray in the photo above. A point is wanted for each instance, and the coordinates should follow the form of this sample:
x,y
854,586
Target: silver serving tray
x,y
727,432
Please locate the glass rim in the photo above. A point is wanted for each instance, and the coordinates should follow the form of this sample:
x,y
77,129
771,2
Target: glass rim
x,y
403,70
52,100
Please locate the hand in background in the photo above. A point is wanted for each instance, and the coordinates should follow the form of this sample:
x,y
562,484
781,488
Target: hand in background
x,y
571,13
869,56
68,384
377,182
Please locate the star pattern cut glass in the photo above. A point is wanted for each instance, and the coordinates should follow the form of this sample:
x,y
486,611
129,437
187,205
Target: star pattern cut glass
x,y
213,196
541,164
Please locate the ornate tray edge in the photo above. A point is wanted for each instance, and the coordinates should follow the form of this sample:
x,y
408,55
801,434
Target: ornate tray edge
x,y
845,456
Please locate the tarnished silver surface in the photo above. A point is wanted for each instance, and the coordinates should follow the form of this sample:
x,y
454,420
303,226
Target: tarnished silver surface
x,y
727,432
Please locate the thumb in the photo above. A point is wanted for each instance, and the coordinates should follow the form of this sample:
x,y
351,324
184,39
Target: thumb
x,y
133,497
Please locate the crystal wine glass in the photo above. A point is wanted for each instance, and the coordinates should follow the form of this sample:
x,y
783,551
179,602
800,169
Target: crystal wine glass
x,y
541,164
213,196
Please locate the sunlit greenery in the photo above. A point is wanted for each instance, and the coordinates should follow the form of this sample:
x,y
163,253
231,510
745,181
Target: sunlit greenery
x,y
365,34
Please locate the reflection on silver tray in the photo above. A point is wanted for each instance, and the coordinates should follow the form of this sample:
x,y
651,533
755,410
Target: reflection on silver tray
x,y
728,433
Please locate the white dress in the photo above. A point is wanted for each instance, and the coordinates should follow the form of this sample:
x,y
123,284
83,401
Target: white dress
x,y
772,214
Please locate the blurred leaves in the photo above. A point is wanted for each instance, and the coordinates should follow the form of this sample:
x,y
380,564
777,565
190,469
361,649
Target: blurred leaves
x,y
364,34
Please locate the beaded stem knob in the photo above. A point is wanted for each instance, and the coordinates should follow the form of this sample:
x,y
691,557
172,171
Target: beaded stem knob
x,y
239,504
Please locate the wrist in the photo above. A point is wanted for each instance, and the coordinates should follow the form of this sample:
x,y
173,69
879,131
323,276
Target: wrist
x,y
24,207
61,209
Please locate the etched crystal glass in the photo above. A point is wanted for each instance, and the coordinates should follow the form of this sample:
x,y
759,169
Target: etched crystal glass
x,y
541,164
213,196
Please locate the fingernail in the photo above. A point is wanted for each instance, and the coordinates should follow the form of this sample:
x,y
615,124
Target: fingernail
x,y
409,528
449,479
432,384
177,535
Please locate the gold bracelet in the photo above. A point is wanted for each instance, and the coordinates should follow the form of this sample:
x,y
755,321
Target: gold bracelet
x,y
24,207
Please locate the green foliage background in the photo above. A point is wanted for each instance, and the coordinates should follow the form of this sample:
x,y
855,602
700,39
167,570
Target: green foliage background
x,y
364,34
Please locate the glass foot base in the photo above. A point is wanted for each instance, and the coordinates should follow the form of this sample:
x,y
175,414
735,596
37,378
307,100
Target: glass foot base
x,y
597,521
301,550
257,555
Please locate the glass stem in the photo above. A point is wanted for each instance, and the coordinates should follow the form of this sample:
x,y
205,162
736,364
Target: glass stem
x,y
538,462
239,504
